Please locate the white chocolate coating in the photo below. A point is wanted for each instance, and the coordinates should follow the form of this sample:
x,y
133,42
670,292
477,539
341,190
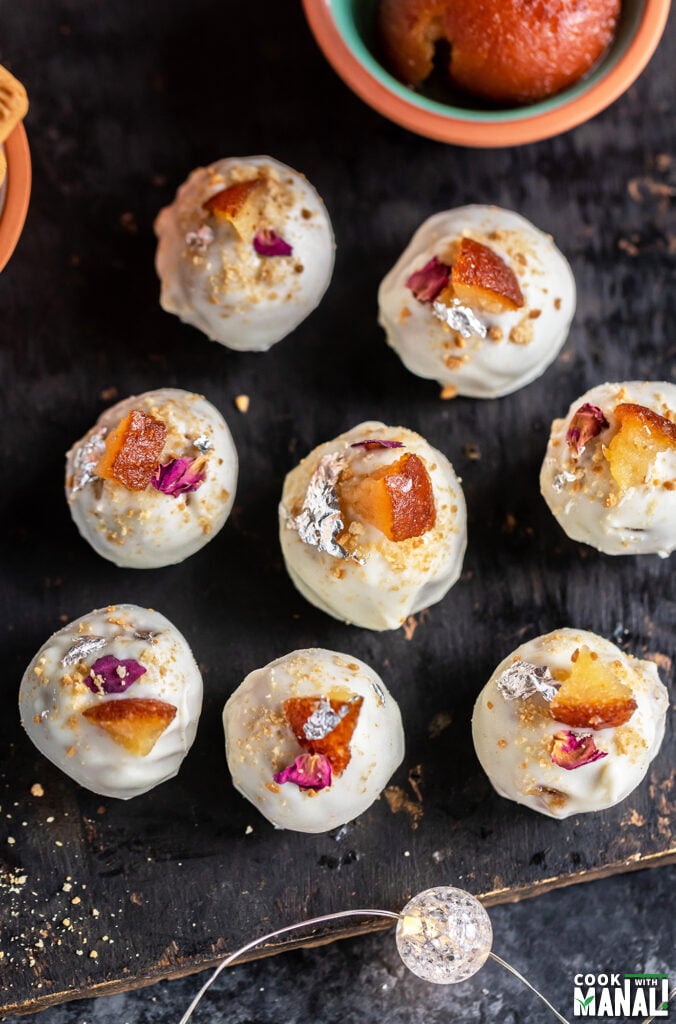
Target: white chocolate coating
x,y
236,297
526,341
512,738
584,497
398,578
146,529
259,742
52,698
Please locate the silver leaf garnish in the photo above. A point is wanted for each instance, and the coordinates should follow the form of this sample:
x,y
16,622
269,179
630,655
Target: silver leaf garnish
x,y
82,647
320,520
378,690
523,679
199,241
561,479
145,634
460,318
202,443
85,459
323,720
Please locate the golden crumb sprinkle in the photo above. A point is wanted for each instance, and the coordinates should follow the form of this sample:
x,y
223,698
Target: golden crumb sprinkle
x,y
242,403
523,332
449,391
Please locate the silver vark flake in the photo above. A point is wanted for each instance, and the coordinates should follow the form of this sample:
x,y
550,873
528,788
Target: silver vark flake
x,y
378,690
523,679
323,720
145,634
460,318
199,241
82,647
202,443
85,459
320,522
561,479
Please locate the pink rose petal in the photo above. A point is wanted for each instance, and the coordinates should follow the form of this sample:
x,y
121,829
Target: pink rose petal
x,y
427,282
585,423
178,477
110,675
570,751
269,243
369,445
308,771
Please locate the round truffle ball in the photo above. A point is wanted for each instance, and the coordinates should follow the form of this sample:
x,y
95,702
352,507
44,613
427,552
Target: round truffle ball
x,y
113,700
154,480
507,51
312,739
373,526
245,251
569,723
480,300
609,474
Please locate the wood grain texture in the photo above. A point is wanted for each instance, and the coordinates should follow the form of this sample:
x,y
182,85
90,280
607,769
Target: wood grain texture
x,y
122,108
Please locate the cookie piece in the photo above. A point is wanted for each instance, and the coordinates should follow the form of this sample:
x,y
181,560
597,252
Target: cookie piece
x,y
13,103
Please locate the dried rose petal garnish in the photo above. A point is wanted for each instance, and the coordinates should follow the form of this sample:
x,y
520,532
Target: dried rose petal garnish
x,y
585,423
369,445
427,282
570,751
110,675
180,476
308,771
268,243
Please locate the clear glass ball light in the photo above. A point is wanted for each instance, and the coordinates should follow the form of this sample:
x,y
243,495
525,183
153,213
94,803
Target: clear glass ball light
x,y
444,935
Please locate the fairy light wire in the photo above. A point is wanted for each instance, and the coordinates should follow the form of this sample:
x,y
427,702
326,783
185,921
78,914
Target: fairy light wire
x,y
513,970
340,916
324,919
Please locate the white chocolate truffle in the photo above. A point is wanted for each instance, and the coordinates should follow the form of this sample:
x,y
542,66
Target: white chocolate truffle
x,y
260,741
515,738
519,343
381,581
144,529
113,740
212,276
632,515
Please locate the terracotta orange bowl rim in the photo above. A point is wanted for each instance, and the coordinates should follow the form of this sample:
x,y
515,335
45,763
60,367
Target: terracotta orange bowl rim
x,y
13,213
527,124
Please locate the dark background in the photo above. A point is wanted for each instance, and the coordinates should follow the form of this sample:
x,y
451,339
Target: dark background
x,y
126,99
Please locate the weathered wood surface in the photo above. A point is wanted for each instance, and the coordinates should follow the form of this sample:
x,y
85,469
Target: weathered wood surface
x,y
124,104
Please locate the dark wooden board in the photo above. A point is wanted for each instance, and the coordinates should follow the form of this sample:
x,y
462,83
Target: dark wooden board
x,y
125,102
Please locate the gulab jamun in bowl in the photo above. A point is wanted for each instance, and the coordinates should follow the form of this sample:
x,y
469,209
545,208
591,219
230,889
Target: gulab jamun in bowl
x,y
488,72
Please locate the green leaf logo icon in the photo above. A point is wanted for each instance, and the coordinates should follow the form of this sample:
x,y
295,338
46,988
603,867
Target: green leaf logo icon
x,y
585,1002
